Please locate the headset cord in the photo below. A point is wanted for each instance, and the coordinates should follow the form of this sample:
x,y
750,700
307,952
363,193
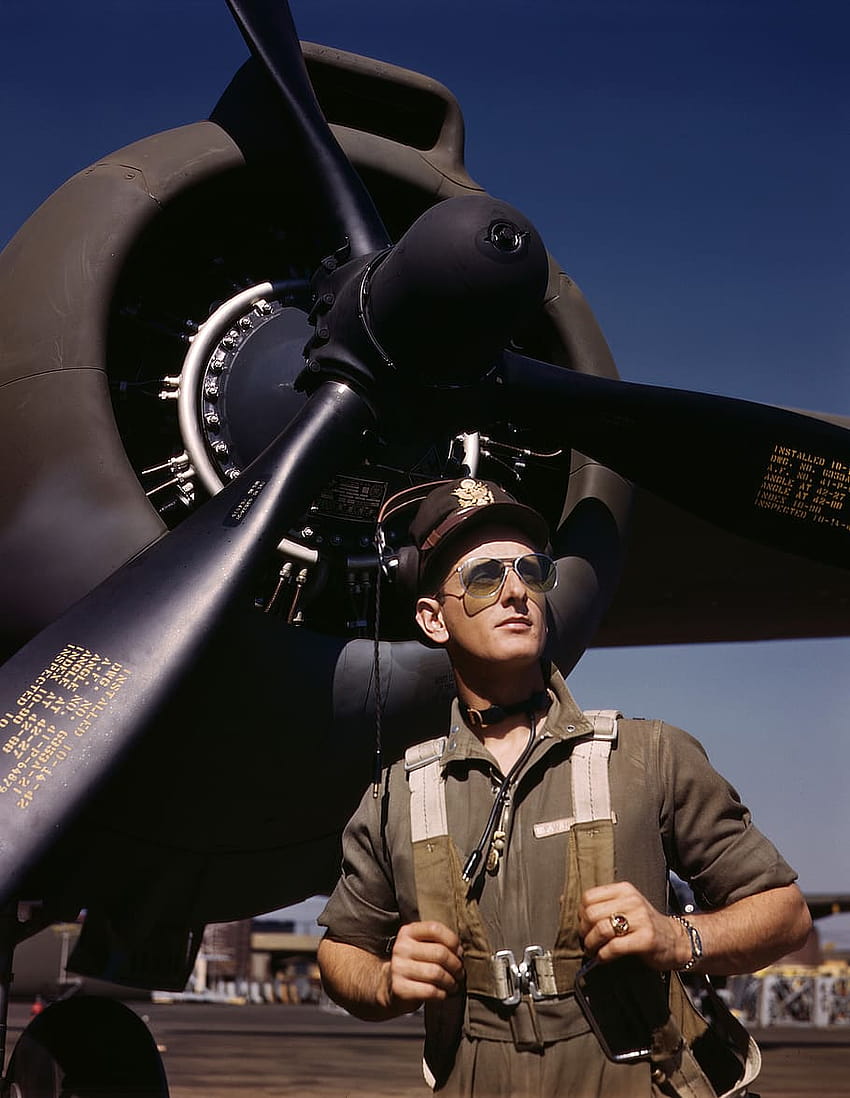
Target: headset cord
x,y
473,862
379,701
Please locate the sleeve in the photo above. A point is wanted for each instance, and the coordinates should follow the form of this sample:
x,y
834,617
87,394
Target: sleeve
x,y
712,842
363,910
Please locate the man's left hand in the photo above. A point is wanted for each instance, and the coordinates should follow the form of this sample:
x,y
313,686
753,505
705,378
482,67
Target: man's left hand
x,y
660,941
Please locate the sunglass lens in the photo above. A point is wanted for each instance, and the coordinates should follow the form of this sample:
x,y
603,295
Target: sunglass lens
x,y
537,572
482,576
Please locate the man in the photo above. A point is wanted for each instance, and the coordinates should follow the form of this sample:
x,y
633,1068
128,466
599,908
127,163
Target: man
x,y
532,838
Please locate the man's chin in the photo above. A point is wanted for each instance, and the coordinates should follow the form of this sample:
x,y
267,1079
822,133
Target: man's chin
x,y
520,651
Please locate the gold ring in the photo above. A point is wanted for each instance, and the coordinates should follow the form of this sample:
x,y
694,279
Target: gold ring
x,y
619,924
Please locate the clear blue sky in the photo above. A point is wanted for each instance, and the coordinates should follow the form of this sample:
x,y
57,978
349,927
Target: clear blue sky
x,y
687,163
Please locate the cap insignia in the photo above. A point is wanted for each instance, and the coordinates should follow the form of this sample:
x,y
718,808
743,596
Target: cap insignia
x,y
473,493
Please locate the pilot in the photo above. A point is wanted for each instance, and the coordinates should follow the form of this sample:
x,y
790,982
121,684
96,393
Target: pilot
x,y
521,857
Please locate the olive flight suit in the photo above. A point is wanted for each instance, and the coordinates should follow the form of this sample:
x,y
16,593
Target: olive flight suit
x,y
672,812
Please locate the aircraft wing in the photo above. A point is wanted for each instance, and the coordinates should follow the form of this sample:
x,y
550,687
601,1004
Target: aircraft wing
x,y
687,582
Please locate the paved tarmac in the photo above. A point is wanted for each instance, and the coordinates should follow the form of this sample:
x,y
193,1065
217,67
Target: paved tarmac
x,y
222,1051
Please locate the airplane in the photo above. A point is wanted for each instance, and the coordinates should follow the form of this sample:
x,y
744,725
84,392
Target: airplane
x,y
192,556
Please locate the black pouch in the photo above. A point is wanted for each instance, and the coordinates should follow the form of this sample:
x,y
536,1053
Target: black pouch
x,y
623,1001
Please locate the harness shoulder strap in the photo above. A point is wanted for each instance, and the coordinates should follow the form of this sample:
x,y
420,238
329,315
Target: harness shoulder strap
x,y
591,790
590,845
435,867
427,789
591,793
440,892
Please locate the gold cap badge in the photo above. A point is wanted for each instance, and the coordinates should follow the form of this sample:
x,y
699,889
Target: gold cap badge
x,y
473,493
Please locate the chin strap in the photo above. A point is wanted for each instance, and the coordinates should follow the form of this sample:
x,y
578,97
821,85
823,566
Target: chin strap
x,y
480,718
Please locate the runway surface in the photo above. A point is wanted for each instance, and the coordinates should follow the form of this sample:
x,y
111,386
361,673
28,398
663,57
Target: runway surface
x,y
220,1051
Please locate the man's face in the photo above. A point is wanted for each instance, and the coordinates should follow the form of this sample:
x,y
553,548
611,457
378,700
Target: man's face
x,y
508,627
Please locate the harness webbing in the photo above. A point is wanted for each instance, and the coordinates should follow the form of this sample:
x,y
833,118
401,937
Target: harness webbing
x,y
442,895
427,795
590,788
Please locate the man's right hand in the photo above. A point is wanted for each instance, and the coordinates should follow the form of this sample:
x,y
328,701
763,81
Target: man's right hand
x,y
425,964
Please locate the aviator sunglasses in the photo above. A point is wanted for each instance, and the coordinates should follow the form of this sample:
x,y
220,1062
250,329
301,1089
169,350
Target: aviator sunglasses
x,y
484,576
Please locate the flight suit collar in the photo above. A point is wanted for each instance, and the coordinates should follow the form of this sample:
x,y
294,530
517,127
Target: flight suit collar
x,y
564,721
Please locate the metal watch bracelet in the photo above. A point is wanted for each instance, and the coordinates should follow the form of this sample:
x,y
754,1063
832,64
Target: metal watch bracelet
x,y
694,939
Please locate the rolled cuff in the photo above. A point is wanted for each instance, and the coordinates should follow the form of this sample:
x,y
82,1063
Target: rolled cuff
x,y
748,865
352,920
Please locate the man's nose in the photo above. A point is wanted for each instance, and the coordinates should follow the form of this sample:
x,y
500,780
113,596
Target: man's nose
x,y
513,588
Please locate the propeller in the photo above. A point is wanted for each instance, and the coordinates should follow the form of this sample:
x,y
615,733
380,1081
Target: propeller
x,y
269,30
773,475
436,317
78,695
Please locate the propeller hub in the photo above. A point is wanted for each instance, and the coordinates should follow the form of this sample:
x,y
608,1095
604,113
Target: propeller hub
x,y
505,236
436,309
463,279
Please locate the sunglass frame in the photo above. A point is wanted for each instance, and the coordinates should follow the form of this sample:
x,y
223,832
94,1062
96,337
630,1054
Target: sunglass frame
x,y
548,573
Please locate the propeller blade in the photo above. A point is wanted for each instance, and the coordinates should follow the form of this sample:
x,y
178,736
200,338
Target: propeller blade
x,y
74,699
269,30
776,476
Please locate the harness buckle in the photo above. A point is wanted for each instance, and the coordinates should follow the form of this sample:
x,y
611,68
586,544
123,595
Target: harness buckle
x,y
507,977
604,723
534,975
539,973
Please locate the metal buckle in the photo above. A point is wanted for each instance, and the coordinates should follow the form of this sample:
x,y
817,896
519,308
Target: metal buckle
x,y
507,977
534,975
540,973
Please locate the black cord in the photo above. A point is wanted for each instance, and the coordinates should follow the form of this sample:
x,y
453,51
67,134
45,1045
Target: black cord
x,y
473,862
379,701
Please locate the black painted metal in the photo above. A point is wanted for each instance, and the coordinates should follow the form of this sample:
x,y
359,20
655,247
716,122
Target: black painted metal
x,y
270,32
434,311
86,1046
714,456
142,629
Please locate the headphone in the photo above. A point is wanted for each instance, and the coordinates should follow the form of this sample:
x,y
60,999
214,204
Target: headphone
x,y
401,566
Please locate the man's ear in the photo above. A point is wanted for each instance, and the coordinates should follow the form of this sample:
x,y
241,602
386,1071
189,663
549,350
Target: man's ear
x,y
429,617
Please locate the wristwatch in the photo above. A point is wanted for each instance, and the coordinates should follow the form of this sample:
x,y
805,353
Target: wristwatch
x,y
695,940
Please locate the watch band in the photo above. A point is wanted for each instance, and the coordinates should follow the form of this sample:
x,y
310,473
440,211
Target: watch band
x,y
694,939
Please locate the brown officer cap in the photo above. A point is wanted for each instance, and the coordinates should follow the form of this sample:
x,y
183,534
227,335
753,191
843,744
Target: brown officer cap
x,y
454,508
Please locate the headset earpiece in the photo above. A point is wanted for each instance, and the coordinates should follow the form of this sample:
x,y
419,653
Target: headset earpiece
x,y
407,573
